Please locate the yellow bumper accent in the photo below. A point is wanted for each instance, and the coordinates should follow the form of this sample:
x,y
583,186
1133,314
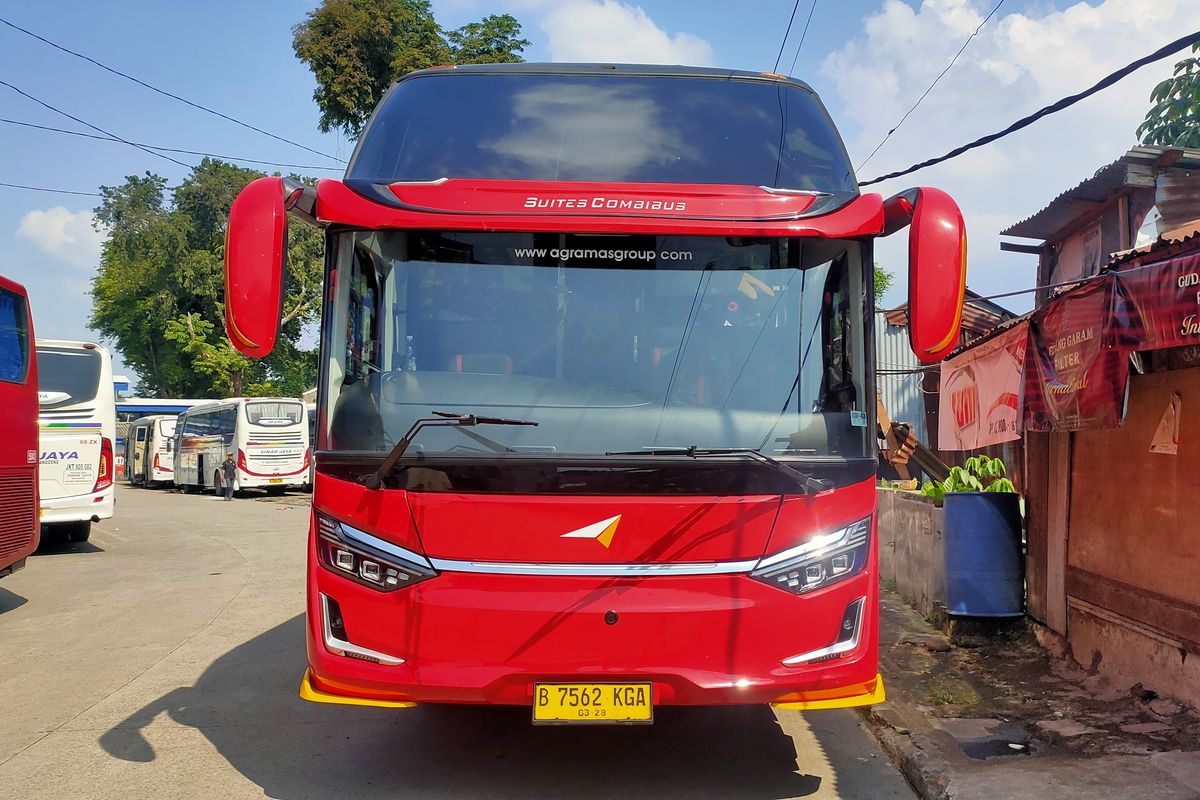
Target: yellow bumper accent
x,y
314,695
816,701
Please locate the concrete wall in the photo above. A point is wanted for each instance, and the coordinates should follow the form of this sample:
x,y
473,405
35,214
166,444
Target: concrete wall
x,y
911,548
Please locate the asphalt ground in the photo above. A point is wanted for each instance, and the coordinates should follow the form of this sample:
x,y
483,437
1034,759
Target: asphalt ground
x,y
162,659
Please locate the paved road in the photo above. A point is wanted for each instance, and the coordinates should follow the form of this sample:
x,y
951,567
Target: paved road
x,y
162,659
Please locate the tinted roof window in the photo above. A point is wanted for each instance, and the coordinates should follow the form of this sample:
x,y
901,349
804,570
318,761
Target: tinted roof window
x,y
642,129
75,373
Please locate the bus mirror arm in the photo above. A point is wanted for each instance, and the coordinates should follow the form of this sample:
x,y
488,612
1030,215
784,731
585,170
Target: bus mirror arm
x,y
898,211
300,201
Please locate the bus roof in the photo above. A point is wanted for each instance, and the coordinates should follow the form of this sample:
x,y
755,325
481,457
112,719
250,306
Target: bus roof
x,y
71,344
649,70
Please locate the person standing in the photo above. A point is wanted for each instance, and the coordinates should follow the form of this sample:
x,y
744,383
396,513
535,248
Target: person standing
x,y
229,474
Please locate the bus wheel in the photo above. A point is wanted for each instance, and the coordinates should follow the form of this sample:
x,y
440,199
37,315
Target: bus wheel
x,y
79,532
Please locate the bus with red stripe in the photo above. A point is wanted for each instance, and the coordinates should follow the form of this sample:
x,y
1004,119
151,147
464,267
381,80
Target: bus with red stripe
x,y
268,437
18,419
596,409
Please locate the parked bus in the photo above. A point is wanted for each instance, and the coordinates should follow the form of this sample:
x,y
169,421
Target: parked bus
x,y
77,420
150,450
596,386
130,409
18,421
267,435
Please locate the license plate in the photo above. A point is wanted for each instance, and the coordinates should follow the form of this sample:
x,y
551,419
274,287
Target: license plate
x,y
593,703
275,480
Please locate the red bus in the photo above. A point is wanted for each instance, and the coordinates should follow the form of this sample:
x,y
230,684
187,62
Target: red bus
x,y
596,409
19,528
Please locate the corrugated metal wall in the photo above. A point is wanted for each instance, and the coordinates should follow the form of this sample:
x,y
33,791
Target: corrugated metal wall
x,y
901,392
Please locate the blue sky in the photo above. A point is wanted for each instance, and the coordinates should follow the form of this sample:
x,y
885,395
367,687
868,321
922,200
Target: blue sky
x,y
868,59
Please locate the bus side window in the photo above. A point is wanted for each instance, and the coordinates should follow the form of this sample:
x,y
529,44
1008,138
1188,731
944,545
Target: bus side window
x,y
14,339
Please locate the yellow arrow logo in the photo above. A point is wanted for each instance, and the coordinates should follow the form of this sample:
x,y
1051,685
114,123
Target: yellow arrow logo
x,y
601,531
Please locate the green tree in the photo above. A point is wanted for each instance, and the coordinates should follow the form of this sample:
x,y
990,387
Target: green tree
x,y
1174,118
159,293
356,49
883,282
492,40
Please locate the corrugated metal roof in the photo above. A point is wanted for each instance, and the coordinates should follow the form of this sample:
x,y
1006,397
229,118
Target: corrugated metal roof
x,y
1136,168
900,374
979,314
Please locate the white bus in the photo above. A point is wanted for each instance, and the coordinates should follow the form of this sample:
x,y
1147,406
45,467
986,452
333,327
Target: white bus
x,y
268,437
77,428
150,450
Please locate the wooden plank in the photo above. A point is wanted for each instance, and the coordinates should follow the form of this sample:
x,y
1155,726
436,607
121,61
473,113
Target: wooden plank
x,y
1036,488
1057,530
1170,616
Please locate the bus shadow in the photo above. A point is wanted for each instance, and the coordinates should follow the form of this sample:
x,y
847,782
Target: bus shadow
x,y
246,704
10,600
51,547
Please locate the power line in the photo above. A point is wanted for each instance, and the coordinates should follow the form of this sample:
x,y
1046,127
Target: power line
x,y
164,149
90,125
1066,102
165,93
44,189
783,44
803,35
930,89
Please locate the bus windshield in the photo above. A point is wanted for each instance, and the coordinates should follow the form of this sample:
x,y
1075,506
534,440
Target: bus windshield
x,y
610,342
68,375
273,413
633,128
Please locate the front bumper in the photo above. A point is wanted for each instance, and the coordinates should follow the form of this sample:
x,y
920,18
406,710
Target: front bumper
x,y
485,638
78,508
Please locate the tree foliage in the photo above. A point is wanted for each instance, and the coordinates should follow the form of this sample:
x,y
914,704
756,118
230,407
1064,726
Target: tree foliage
x,y
356,49
159,292
883,282
1174,116
492,40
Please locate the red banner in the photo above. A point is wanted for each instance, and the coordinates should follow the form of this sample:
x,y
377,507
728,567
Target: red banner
x,y
1164,301
980,396
1078,367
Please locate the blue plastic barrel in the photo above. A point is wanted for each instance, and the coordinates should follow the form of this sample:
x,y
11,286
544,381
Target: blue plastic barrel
x,y
983,554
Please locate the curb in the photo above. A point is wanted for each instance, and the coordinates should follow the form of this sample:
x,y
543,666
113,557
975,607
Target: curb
x,y
927,774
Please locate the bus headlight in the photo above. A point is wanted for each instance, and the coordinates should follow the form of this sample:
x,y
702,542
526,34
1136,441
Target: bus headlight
x,y
366,559
819,562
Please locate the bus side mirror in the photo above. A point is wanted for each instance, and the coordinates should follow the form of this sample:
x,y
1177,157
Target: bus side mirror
x,y
255,260
937,268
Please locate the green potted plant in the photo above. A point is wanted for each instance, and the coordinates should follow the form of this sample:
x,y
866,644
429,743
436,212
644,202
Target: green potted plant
x,y
982,539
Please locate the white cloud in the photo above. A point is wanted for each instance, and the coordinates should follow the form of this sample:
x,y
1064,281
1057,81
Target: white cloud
x,y
612,31
1017,64
68,236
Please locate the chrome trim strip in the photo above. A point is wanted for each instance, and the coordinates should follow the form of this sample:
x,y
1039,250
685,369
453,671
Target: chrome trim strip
x,y
434,182
837,648
342,648
383,546
801,192
593,570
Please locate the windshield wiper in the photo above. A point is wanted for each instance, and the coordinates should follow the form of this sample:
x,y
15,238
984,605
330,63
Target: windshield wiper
x,y
442,419
810,483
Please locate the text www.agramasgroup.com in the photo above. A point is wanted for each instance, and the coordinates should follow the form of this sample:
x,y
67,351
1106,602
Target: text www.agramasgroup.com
x,y
590,254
